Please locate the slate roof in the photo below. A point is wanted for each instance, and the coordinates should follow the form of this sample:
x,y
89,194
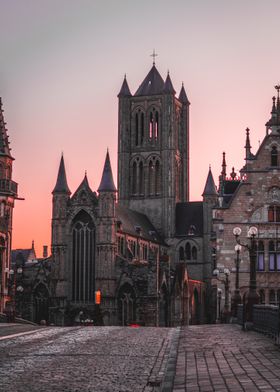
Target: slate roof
x,y
229,188
189,218
152,84
4,138
210,187
130,220
61,185
183,96
107,181
23,255
168,86
124,91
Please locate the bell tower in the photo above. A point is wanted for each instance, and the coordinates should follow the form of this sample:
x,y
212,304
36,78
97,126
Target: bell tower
x,y
153,149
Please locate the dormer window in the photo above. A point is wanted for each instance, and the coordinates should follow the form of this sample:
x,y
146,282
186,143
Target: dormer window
x,y
274,156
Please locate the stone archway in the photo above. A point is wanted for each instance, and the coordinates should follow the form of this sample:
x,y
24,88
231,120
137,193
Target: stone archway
x,y
126,305
41,303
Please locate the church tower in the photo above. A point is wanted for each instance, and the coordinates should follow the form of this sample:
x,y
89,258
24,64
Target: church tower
x,y
153,149
8,194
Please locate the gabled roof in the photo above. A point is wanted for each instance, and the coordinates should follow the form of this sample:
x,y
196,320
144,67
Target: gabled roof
x,y
61,185
4,138
210,187
124,91
168,86
183,96
133,222
22,255
85,186
152,84
107,181
189,218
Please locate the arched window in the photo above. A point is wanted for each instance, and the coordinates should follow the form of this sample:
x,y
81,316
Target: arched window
x,y
141,179
134,178
151,178
188,251
157,178
2,171
274,156
83,261
194,253
272,256
156,126
272,298
151,126
136,129
262,296
181,253
260,256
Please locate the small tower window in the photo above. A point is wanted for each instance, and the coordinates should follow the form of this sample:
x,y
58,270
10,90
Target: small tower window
x,y
151,178
156,126
188,251
134,178
136,129
274,156
181,253
151,126
194,253
142,128
157,178
141,178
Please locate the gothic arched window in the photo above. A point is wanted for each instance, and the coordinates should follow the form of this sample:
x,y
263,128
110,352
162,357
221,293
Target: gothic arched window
x,y
142,129
181,253
134,178
274,156
141,179
151,178
194,253
262,296
157,178
188,251
272,297
136,129
151,126
83,260
272,256
156,126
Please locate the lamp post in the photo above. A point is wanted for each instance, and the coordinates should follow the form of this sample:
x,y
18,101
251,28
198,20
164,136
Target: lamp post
x,y
225,281
236,299
219,292
252,298
14,273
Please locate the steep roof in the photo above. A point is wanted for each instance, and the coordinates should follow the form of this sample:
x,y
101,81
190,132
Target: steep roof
x,y
131,221
189,218
107,181
210,187
4,138
61,185
168,86
124,91
152,84
22,255
183,96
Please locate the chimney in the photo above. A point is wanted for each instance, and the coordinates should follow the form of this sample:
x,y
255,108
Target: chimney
x,y
45,251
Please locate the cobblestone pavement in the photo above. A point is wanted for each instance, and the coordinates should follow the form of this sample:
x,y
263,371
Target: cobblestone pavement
x,y
224,358
85,359
13,328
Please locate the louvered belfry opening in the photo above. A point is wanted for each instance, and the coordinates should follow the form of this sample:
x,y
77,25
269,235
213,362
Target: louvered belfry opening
x,y
83,258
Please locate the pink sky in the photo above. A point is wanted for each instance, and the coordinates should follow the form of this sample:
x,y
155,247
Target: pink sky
x,y
62,65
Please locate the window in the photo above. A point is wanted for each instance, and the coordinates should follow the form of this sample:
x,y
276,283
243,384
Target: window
x,y
260,256
142,129
194,253
262,296
274,214
157,178
274,156
272,298
271,256
134,178
188,251
136,129
181,253
151,177
141,179
154,125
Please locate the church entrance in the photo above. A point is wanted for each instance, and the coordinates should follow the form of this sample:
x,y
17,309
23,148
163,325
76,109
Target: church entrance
x,y
41,304
126,305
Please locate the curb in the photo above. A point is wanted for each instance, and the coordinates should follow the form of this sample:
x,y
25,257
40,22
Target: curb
x,y
170,371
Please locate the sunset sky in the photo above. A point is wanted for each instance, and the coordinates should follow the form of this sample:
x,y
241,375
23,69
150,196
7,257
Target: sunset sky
x,y
62,65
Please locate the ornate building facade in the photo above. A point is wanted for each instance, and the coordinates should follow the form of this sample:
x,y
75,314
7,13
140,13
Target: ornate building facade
x,y
8,194
252,199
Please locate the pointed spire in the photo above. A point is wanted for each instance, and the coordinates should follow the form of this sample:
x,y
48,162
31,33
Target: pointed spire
x,y
4,138
247,145
107,181
274,121
224,166
152,84
61,185
183,96
168,86
124,91
210,187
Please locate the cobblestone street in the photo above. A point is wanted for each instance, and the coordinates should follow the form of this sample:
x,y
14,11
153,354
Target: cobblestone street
x,y
223,358
85,359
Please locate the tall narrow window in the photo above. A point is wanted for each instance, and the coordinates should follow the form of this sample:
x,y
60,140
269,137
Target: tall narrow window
x,y
278,256
188,251
273,214
194,253
262,296
274,156
157,178
260,256
156,126
134,178
271,256
151,126
272,297
181,253
142,129
83,251
151,178
136,129
141,179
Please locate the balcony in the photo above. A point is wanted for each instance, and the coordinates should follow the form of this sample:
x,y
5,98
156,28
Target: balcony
x,y
8,187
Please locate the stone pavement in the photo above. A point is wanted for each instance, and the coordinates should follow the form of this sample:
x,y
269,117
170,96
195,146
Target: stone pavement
x,y
85,359
224,358
7,329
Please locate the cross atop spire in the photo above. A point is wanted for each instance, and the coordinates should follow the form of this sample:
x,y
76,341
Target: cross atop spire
x,y
277,87
154,55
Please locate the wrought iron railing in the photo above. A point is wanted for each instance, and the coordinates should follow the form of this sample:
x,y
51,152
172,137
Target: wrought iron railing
x,y
8,186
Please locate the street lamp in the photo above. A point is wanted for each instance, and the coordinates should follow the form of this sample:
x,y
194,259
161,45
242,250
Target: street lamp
x,y
225,281
219,292
252,298
236,299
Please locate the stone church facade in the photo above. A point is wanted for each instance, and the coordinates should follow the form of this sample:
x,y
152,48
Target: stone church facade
x,y
143,245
